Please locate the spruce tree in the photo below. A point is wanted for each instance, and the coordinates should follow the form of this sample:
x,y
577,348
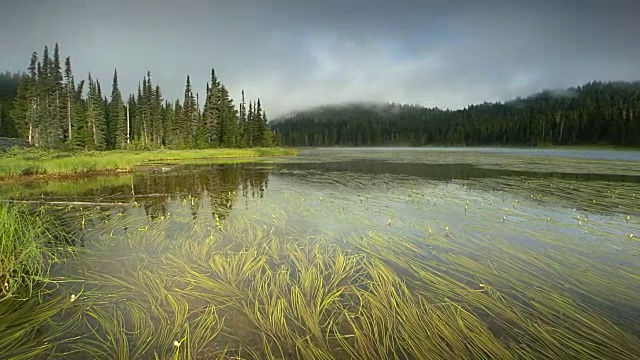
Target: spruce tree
x,y
81,135
211,112
117,115
268,136
228,119
156,115
190,114
95,116
67,108
58,107
257,125
249,126
181,126
242,124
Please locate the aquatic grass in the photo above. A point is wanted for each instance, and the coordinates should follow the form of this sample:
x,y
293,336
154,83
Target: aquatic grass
x,y
272,287
30,241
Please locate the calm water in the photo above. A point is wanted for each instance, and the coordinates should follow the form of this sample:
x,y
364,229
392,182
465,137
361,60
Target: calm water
x,y
577,209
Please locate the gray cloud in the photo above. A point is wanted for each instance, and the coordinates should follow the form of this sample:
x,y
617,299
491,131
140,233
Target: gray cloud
x,y
295,54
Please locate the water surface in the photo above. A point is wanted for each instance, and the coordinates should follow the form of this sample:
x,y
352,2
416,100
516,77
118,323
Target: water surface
x,y
554,232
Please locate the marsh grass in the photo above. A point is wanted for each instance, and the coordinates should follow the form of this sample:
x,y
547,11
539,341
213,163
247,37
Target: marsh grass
x,y
16,163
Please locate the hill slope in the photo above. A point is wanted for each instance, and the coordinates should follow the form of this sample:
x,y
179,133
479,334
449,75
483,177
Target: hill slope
x,y
595,113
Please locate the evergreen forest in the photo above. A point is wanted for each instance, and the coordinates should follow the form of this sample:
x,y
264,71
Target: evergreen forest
x,y
49,108
597,113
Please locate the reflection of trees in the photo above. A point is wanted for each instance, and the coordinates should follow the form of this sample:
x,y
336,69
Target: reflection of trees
x,y
218,184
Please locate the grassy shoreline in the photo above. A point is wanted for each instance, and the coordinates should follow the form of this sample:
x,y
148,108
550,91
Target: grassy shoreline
x,y
25,162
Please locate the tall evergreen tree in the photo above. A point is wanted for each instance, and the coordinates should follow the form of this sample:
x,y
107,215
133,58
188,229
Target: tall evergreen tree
x,y
57,99
228,122
117,115
95,116
242,140
190,114
212,110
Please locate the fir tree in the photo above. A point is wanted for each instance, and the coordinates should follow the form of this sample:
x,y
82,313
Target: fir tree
x,y
58,128
190,114
211,112
95,116
117,116
228,119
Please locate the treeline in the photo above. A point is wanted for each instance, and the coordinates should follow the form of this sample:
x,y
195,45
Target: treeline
x,y
48,108
8,88
603,113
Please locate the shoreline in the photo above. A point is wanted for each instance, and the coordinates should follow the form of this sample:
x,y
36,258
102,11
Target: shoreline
x,y
30,166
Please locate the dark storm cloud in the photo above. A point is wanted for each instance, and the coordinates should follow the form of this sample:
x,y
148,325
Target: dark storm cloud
x,y
295,54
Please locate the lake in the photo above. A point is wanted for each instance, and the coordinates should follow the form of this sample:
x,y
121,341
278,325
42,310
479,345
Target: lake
x,y
436,253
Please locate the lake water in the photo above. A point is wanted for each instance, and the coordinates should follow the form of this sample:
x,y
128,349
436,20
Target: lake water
x,y
351,253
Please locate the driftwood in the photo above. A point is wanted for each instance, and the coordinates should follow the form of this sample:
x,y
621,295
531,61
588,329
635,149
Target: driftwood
x,y
67,203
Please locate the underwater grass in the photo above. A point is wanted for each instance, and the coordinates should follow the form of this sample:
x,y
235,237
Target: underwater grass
x,y
38,162
263,285
30,241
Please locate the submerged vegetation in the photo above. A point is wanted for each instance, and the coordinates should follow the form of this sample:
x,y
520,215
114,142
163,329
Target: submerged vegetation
x,y
30,241
334,264
42,162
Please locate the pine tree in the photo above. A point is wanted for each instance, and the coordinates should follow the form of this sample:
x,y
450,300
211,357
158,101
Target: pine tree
x,y
25,111
241,139
228,119
57,100
81,136
249,126
181,126
257,126
168,124
268,136
211,112
95,116
67,107
117,116
190,114
156,115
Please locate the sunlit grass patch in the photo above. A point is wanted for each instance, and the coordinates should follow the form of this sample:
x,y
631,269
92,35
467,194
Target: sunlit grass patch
x,y
40,162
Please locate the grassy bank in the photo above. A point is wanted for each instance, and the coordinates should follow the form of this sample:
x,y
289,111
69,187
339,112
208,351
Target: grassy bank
x,y
16,163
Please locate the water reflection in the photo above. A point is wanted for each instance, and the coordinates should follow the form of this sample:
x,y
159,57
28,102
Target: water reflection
x,y
589,192
219,186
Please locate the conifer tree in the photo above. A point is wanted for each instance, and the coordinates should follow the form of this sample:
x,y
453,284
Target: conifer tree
x,y
95,116
68,100
57,99
181,126
242,124
257,125
190,114
228,119
211,112
249,126
156,115
117,116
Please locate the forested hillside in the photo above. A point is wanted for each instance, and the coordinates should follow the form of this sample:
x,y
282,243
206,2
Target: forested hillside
x,y
47,107
595,113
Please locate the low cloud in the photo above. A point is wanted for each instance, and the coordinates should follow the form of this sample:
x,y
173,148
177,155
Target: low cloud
x,y
295,55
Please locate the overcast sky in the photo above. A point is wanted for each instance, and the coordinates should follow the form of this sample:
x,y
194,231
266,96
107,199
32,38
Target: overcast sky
x,y
297,53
